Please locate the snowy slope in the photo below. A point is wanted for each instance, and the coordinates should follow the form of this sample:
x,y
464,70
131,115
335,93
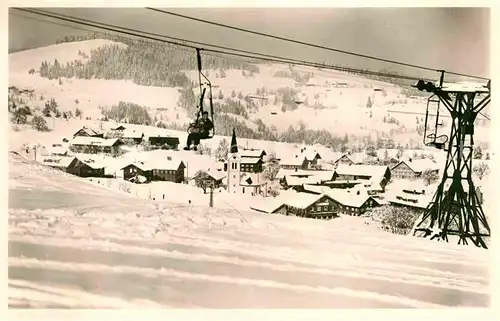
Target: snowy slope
x,y
74,244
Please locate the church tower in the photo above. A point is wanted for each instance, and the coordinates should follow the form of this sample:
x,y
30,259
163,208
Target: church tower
x,y
233,167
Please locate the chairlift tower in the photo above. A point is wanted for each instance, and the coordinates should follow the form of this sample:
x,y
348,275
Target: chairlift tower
x,y
455,208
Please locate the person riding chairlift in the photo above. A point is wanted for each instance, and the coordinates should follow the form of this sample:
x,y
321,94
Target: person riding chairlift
x,y
200,131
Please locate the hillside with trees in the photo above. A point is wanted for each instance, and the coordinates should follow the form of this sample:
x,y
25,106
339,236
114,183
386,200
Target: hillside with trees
x,y
146,63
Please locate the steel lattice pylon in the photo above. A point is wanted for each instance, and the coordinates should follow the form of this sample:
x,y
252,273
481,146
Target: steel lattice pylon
x,y
455,208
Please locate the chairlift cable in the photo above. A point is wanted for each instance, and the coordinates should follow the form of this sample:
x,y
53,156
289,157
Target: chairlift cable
x,y
310,44
251,55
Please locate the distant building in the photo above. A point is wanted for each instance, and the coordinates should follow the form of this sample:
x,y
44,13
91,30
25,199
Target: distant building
x,y
294,162
253,153
156,170
216,178
355,201
135,136
377,173
87,132
165,142
94,145
75,166
413,169
344,159
411,194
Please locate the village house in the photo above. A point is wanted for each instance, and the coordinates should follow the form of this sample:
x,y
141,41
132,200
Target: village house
x,y
133,135
302,204
88,132
344,159
75,166
94,145
119,129
290,178
312,159
376,173
354,202
164,142
54,150
269,206
156,170
341,184
294,162
411,194
253,153
215,177
413,169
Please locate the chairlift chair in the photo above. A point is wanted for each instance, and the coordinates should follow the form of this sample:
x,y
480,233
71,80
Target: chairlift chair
x,y
433,139
203,88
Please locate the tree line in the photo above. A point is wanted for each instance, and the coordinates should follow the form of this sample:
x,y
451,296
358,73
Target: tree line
x,y
146,63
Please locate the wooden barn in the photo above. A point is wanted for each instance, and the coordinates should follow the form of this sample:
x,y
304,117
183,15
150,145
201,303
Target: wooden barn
x,y
164,142
88,132
75,166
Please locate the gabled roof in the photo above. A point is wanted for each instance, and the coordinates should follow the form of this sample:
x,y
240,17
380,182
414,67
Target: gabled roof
x,y
250,160
215,174
349,197
296,181
296,160
300,200
310,155
361,170
132,134
58,161
88,131
252,153
94,141
419,165
92,163
267,205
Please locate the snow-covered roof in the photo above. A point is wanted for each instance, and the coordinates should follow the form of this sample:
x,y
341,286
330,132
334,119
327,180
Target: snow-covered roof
x,y
296,181
267,205
58,161
89,131
295,160
300,200
252,153
93,163
310,155
410,193
420,165
128,133
215,173
349,197
95,141
249,160
361,170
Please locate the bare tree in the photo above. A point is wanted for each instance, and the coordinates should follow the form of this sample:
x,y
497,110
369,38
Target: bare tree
x,y
481,170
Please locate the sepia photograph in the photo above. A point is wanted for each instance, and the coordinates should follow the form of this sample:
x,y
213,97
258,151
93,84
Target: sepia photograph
x,y
249,158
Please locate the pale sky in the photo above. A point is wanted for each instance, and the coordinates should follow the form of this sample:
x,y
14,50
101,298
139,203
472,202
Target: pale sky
x,y
455,39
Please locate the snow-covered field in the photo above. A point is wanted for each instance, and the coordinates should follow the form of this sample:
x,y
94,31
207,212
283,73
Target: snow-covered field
x,y
74,244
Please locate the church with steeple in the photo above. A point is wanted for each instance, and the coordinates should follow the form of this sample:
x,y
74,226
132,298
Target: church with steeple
x,y
233,167
244,174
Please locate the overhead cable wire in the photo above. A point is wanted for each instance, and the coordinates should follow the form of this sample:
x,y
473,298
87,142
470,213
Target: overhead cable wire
x,y
310,44
251,55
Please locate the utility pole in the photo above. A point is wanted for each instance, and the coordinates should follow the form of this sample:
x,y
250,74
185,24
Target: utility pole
x,y
34,151
211,204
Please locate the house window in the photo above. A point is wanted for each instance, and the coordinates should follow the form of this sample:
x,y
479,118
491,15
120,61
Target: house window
x,y
243,190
